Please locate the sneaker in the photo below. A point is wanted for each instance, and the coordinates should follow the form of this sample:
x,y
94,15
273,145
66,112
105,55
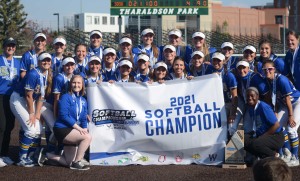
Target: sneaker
x,y
79,166
85,162
7,160
2,163
287,155
25,162
293,162
42,157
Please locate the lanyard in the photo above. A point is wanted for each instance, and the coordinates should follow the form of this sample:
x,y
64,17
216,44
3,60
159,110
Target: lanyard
x,y
11,68
43,82
178,50
244,89
34,57
294,60
78,106
253,117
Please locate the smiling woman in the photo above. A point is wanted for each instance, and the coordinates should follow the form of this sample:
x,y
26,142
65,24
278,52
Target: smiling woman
x,y
28,103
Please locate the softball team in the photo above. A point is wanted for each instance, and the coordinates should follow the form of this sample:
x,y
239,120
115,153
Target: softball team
x,y
254,90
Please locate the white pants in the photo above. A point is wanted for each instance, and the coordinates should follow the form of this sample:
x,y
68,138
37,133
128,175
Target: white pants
x,y
283,117
18,106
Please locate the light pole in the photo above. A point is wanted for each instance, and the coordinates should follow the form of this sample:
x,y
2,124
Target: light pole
x,y
286,15
57,14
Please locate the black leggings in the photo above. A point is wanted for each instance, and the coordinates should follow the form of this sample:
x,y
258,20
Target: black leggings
x,y
265,145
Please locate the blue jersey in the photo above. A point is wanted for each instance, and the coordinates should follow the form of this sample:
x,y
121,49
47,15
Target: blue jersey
x,y
251,80
282,89
29,60
88,80
56,65
71,109
228,80
292,60
140,49
140,77
231,63
109,73
95,51
9,74
278,62
33,81
201,72
60,84
263,118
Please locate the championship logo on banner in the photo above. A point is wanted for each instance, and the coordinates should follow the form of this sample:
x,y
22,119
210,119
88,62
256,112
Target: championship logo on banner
x,y
179,122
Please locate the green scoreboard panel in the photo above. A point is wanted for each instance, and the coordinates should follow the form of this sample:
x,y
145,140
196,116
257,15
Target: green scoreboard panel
x,y
158,7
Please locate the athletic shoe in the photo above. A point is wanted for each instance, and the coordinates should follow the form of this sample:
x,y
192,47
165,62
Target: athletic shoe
x,y
85,162
7,160
2,163
293,162
79,166
287,155
25,162
42,157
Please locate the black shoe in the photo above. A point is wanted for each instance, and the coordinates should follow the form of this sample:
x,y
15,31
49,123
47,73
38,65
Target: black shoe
x,y
79,166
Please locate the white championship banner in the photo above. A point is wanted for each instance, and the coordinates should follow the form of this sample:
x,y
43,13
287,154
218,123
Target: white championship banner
x,y
179,122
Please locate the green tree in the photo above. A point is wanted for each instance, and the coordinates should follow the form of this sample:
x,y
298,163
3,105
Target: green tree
x,y
12,18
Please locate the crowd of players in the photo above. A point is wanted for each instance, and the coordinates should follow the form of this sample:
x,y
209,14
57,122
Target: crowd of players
x,y
261,92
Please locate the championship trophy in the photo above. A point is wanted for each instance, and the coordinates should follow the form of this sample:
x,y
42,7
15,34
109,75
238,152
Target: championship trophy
x,y
234,152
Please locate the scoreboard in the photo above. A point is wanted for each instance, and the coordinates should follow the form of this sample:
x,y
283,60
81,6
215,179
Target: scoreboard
x,y
158,7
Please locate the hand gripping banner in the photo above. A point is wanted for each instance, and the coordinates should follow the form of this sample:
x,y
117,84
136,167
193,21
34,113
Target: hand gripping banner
x,y
178,122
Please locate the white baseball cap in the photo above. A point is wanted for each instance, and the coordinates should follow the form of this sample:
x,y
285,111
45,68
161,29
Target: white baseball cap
x,y
40,35
243,63
143,57
171,47
219,56
176,32
94,57
227,44
125,39
250,47
68,60
125,62
160,64
197,53
198,34
97,32
44,56
109,50
146,31
59,40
